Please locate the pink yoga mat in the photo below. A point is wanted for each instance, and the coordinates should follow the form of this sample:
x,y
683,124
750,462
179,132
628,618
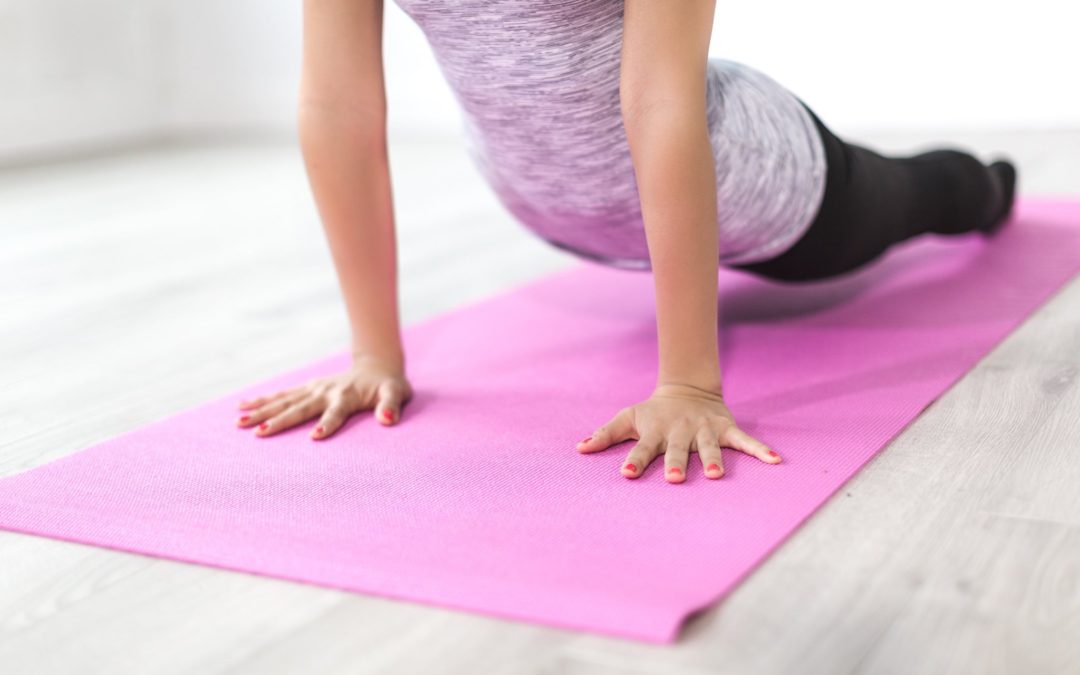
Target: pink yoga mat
x,y
479,501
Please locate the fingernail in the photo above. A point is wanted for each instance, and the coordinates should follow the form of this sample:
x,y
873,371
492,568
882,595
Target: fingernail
x,y
630,467
585,440
244,418
388,414
713,467
264,426
773,454
674,469
319,430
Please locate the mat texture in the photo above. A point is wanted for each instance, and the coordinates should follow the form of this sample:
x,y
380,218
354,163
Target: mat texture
x,y
478,499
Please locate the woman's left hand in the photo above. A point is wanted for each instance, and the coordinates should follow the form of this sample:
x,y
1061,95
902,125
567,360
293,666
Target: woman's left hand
x,y
675,421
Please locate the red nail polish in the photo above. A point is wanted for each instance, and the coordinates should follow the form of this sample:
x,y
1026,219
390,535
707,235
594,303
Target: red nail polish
x,y
772,454
631,467
388,414
319,430
264,426
713,467
245,418
674,469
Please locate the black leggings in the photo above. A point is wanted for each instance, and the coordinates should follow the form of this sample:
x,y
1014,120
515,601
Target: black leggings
x,y
872,201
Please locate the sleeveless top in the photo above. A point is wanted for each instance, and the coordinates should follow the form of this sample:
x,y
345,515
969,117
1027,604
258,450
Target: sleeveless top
x,y
538,86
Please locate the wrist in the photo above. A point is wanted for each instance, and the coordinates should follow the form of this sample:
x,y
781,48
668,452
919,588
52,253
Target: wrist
x,y
691,358
393,360
672,387
705,380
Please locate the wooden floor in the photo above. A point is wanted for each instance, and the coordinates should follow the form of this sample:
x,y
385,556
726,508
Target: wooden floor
x,y
136,285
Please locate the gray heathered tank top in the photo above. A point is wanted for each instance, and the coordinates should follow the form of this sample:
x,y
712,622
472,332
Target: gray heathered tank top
x,y
538,84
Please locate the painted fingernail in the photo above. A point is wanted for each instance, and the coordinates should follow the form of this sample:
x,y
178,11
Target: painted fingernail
x,y
630,467
264,426
319,430
388,414
674,469
713,467
585,440
244,418
773,454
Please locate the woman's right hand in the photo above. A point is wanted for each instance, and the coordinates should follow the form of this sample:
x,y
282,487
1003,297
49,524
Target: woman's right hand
x,y
369,384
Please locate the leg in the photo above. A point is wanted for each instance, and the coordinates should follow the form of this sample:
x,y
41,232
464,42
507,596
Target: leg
x,y
873,201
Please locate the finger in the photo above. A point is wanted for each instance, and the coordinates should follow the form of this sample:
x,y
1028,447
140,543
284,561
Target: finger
x,y
248,404
332,418
738,439
639,457
391,396
618,429
709,453
291,416
266,411
676,455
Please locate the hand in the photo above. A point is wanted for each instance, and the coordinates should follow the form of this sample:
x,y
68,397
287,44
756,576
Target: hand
x,y
675,421
368,384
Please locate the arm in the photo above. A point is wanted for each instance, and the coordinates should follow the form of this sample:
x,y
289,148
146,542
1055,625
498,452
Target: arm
x,y
662,95
342,132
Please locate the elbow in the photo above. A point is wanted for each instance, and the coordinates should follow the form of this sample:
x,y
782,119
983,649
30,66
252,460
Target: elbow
x,y
641,108
636,104
318,120
363,116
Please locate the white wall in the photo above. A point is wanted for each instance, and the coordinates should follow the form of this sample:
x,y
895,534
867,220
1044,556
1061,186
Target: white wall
x,y
230,65
916,64
75,73
235,65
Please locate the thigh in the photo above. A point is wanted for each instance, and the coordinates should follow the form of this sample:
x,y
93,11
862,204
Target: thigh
x,y
861,214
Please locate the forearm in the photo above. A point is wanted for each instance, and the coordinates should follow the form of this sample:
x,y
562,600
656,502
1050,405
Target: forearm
x,y
676,180
348,170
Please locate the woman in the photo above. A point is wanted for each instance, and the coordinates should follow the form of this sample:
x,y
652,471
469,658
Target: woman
x,y
606,129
